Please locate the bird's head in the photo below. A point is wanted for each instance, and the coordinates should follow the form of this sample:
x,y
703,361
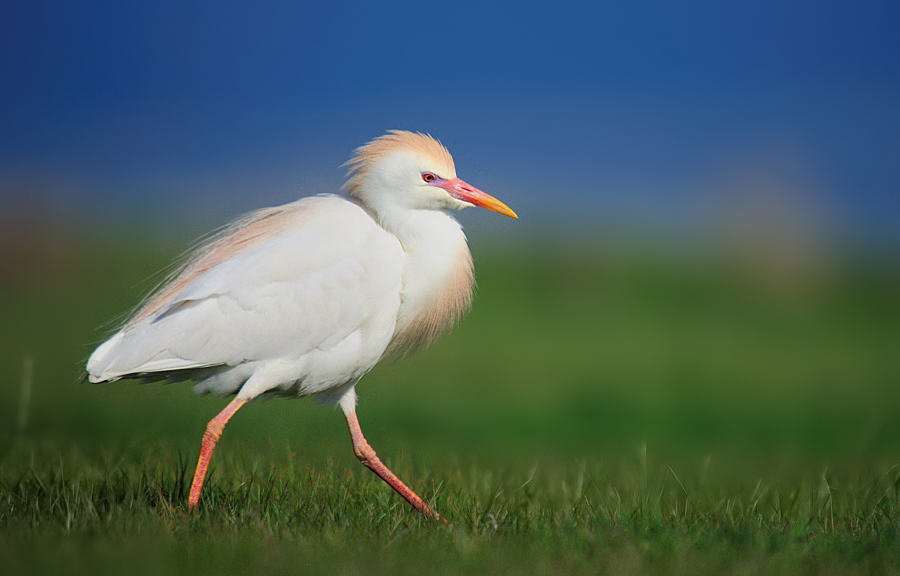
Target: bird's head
x,y
413,171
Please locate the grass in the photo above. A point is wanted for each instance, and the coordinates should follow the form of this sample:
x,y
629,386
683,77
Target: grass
x,y
94,512
621,415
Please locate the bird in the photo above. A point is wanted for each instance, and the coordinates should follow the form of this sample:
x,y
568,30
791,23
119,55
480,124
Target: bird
x,y
305,298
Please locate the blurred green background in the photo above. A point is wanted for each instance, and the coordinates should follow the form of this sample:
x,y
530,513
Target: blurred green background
x,y
576,345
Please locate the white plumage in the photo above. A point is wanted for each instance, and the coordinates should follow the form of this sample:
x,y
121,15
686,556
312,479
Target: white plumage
x,y
309,308
305,298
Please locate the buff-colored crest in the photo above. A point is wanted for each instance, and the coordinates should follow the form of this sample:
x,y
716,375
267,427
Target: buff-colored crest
x,y
365,157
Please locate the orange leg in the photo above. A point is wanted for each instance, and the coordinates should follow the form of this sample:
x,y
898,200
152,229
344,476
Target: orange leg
x,y
367,456
210,437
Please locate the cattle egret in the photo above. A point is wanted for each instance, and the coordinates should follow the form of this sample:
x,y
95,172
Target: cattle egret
x,y
303,299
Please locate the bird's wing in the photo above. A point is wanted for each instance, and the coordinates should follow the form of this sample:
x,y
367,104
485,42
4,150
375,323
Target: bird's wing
x,y
325,271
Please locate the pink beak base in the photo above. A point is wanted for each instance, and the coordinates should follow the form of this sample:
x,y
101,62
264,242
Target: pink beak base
x,y
462,191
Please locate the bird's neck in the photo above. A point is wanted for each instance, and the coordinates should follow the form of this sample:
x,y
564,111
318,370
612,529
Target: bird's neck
x,y
420,229
437,274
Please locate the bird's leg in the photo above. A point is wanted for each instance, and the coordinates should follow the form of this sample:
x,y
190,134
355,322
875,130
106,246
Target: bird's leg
x,y
367,456
210,437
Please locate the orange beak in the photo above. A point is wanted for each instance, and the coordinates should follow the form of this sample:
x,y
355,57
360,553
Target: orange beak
x,y
466,193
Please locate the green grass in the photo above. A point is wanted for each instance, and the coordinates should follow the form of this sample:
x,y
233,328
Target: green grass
x,y
621,414
94,512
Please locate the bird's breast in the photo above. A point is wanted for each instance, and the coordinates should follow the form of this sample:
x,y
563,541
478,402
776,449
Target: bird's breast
x,y
437,290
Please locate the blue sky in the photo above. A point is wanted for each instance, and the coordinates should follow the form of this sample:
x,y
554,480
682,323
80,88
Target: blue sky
x,y
646,109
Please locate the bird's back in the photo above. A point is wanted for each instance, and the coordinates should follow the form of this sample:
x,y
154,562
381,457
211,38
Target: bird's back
x,y
298,299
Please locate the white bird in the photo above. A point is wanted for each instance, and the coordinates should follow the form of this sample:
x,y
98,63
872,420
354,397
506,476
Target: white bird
x,y
304,299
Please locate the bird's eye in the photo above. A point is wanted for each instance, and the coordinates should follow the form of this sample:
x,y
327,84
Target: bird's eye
x,y
428,177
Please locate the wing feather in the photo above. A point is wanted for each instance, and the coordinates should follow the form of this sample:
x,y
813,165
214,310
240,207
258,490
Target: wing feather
x,y
308,283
